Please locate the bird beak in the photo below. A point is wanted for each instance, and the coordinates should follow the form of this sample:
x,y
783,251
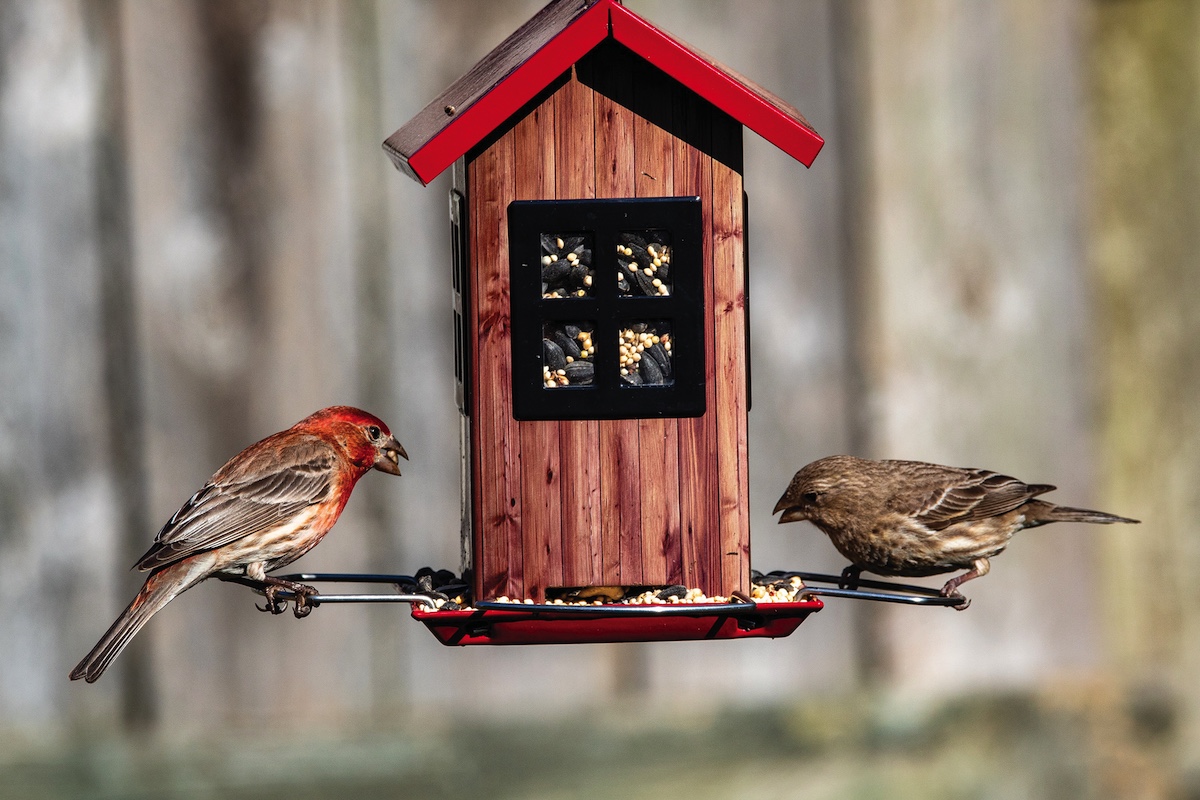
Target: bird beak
x,y
791,513
389,456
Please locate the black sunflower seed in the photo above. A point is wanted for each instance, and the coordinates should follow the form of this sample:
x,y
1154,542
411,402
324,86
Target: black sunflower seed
x,y
678,590
581,373
552,356
554,272
650,371
569,346
645,283
659,354
578,273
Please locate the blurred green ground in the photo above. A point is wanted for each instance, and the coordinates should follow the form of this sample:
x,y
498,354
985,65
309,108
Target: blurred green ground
x,y
1075,742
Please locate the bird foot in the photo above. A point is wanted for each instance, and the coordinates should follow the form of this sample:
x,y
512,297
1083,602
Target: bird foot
x,y
951,590
302,606
849,578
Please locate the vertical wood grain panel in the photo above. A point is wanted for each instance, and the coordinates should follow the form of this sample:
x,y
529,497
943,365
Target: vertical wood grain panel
x,y
729,328
541,514
579,469
697,435
620,469
658,439
498,444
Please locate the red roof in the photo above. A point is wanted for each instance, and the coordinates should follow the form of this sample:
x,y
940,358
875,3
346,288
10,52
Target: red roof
x,y
545,47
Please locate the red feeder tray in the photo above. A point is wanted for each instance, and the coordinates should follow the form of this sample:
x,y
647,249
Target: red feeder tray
x,y
513,623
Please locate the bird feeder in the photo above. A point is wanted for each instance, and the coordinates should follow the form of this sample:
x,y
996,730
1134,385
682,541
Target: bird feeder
x,y
601,331
600,302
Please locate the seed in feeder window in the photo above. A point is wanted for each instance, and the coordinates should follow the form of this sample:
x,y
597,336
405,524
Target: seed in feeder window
x,y
659,356
648,272
643,283
546,260
553,355
658,262
553,273
587,280
565,343
569,359
572,257
560,243
650,371
656,283
581,372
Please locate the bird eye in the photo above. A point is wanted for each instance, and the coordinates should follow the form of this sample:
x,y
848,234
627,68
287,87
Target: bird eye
x,y
810,497
374,432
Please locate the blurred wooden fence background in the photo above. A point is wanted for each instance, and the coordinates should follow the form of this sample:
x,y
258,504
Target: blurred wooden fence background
x,y
992,263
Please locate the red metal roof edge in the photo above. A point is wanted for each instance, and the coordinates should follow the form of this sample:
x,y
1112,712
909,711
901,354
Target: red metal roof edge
x,y
757,109
752,106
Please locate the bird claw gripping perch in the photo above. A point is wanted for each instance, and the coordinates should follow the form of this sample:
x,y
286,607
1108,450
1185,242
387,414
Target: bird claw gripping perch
x,y
300,597
850,577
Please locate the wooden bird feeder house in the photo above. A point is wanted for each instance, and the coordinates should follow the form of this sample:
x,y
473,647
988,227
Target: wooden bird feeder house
x,y
601,315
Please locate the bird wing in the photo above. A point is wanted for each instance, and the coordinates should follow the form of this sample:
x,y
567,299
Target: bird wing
x,y
952,495
251,493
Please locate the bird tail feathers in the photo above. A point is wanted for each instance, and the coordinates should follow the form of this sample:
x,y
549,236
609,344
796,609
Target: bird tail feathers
x,y
1041,512
160,588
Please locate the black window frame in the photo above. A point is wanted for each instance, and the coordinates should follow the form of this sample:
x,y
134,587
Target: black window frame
x,y
607,397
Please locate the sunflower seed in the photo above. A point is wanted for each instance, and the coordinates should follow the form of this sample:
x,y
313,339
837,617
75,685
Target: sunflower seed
x,y
581,373
553,356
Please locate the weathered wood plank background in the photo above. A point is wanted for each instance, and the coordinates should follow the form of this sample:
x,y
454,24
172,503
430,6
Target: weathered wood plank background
x,y
992,263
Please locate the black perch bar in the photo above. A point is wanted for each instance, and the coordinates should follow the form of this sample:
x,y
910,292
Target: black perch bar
x,y
821,585
408,591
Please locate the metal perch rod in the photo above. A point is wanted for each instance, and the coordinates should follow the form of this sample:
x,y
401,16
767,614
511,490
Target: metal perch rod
x,y
905,593
815,584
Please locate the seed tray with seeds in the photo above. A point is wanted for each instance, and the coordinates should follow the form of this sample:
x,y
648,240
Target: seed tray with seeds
x,y
566,265
644,265
645,354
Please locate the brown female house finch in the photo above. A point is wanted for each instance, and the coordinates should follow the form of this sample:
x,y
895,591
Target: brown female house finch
x,y
269,505
912,519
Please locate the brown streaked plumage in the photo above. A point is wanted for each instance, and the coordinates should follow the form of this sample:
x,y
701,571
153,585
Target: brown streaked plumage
x,y
912,519
269,505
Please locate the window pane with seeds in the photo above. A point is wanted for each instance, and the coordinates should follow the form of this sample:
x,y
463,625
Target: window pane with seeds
x,y
568,354
566,265
644,259
646,354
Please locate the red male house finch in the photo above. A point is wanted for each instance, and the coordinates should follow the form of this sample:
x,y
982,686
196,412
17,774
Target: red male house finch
x,y
912,519
269,505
